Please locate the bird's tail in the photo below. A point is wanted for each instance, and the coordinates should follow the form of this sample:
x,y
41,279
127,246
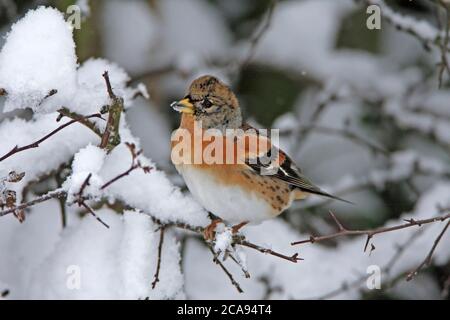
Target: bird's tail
x,y
302,193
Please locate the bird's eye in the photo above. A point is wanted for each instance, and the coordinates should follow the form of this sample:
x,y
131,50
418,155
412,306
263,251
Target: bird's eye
x,y
207,104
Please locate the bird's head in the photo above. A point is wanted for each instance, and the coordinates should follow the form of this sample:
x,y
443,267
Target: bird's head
x,y
212,102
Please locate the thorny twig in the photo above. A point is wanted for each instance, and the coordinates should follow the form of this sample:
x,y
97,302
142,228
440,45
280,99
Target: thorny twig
x,y
61,193
240,240
91,211
228,273
158,264
238,262
342,231
62,204
427,260
82,203
65,112
36,144
50,195
135,164
294,258
346,286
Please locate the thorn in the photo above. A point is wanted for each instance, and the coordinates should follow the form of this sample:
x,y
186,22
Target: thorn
x,y
367,242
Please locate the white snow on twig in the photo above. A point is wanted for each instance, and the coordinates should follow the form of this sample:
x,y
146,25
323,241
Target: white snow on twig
x,y
38,57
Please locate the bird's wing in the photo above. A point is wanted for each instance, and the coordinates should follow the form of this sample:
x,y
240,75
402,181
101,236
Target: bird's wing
x,y
275,163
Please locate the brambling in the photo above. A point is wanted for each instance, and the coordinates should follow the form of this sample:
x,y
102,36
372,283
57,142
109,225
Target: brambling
x,y
238,191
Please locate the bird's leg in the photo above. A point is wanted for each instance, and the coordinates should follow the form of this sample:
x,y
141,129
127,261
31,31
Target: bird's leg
x,y
208,232
235,229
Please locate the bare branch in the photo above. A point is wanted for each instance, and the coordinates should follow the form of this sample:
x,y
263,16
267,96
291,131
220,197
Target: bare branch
x,y
228,273
58,193
427,260
84,185
81,200
239,263
372,232
83,120
91,211
346,286
135,164
36,144
294,258
158,264
108,85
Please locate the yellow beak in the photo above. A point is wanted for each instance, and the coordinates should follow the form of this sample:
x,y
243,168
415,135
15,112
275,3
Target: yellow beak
x,y
184,106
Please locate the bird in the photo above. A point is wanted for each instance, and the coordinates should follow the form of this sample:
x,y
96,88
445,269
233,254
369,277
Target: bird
x,y
240,191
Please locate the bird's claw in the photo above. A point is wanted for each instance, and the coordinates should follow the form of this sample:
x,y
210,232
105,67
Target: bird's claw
x,y
210,231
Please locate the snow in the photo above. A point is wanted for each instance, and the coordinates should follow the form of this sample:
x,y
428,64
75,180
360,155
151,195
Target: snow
x,y
308,45
138,261
424,123
115,263
87,161
47,62
49,155
223,240
24,246
291,19
421,28
150,192
403,164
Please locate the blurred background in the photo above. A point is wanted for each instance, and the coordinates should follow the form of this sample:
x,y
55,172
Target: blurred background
x,y
365,113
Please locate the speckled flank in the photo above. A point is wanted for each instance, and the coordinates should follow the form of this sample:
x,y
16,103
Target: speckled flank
x,y
276,192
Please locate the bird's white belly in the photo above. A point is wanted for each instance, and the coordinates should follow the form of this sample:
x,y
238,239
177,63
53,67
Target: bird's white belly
x,y
228,202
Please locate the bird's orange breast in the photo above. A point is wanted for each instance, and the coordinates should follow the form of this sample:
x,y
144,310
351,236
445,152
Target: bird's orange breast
x,y
195,145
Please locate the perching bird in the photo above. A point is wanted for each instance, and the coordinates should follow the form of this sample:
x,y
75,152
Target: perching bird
x,y
239,192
